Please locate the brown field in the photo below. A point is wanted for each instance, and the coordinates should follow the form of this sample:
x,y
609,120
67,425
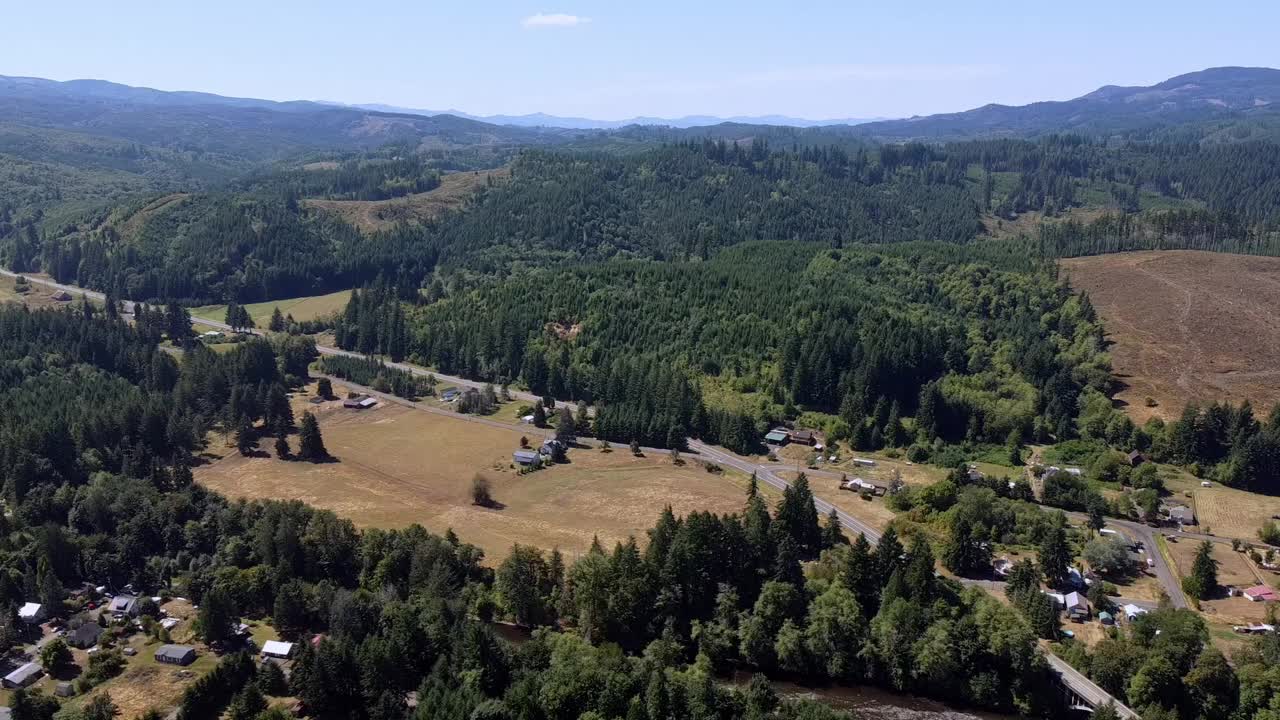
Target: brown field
x,y
398,466
373,215
129,227
1233,513
40,296
1187,325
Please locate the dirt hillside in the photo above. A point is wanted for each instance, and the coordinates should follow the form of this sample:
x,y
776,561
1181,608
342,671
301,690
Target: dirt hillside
x,y
1187,325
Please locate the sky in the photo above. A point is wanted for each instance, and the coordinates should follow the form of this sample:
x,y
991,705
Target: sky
x,y
608,59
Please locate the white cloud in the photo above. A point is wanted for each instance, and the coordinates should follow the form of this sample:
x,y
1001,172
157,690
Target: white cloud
x,y
542,20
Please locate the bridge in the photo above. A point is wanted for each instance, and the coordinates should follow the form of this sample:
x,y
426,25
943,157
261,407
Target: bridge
x,y
1083,694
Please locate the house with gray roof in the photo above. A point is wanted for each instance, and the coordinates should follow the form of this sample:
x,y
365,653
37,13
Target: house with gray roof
x,y
176,654
23,676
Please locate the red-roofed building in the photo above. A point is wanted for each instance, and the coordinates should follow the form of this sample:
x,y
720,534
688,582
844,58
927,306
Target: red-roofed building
x,y
1261,593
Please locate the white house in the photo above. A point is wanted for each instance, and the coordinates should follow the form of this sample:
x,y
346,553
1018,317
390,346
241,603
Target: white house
x,y
1131,611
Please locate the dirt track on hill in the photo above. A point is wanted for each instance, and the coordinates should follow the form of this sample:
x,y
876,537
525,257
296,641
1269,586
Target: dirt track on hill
x,y
1187,325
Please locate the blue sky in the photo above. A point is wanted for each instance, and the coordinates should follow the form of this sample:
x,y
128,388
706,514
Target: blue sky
x,y
613,59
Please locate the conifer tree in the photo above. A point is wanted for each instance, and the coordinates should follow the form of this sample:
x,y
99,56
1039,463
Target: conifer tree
x,y
310,444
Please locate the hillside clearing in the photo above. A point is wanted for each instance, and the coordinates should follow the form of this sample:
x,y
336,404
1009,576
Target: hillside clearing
x,y
374,215
1187,326
398,466
301,308
1234,513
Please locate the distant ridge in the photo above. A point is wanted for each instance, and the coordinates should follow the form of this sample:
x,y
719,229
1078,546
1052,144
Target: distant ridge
x,y
580,123
1215,93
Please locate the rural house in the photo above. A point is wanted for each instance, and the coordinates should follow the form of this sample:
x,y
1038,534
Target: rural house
x,y
124,605
802,437
1076,606
23,676
1131,612
527,458
61,296
85,636
1182,515
450,394
359,402
1261,593
31,613
176,654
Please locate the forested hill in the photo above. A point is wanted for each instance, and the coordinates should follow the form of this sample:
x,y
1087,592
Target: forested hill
x,y
685,201
1224,104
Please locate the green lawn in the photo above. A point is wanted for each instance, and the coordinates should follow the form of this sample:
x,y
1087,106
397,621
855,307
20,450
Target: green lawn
x,y
302,308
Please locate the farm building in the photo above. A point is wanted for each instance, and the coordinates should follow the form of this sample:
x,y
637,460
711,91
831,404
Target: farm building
x,y
1136,458
527,458
64,689
1261,593
359,402
61,296
450,394
85,636
864,462
777,436
23,676
1255,629
176,654
277,649
552,448
1182,515
802,437
31,613
124,605
859,485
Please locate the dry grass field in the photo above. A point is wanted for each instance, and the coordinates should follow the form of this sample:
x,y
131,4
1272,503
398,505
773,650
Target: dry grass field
x,y
1187,325
301,308
1233,513
398,466
373,215
1233,569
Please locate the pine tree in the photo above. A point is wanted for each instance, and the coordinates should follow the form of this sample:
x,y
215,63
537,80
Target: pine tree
x,y
1202,583
245,437
833,531
276,324
310,444
232,316
1055,554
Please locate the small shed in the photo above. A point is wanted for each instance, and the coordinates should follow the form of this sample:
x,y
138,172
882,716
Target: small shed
x,y
1136,458
64,690
23,676
31,613
61,296
277,649
450,394
176,654
864,462
1106,618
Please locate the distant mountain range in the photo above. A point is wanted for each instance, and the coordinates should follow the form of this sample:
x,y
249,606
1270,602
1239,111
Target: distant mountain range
x,y
1235,93
579,123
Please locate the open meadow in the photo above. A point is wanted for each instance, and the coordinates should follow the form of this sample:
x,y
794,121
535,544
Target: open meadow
x,y
1233,513
1235,570
1187,325
301,308
397,465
